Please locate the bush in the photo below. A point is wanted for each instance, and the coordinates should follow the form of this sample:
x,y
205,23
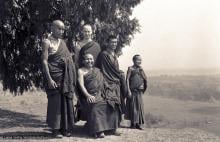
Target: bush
x,y
23,24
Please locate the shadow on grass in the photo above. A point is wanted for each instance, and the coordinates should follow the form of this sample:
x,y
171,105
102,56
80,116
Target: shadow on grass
x,y
10,119
78,131
26,135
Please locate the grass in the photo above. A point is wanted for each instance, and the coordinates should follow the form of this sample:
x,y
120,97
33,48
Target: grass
x,y
155,121
167,120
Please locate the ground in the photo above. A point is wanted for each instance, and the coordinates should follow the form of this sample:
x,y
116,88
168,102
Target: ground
x,y
24,117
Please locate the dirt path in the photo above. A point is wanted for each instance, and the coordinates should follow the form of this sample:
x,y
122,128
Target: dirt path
x,y
24,117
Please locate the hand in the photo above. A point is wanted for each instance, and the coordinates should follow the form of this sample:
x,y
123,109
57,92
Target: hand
x,y
141,87
52,84
121,72
129,94
90,99
140,68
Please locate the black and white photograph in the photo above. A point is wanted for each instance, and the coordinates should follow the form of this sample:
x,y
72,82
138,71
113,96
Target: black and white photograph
x,y
110,70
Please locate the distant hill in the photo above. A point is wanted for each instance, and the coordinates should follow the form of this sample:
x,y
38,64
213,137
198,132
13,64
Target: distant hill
x,y
185,87
214,71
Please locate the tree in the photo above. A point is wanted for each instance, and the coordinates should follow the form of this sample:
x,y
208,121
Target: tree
x,y
23,24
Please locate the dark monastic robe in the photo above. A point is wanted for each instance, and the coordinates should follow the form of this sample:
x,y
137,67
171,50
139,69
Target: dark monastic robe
x,y
93,48
109,66
134,104
60,105
100,114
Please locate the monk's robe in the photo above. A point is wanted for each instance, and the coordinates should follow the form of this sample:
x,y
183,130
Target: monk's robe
x,y
60,105
91,47
76,50
109,66
123,90
99,114
134,104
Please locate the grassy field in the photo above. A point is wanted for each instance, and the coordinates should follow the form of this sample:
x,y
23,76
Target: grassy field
x,y
186,87
178,109
184,114
178,121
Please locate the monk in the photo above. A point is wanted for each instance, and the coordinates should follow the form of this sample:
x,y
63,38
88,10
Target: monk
x,y
108,64
86,45
100,114
60,80
137,85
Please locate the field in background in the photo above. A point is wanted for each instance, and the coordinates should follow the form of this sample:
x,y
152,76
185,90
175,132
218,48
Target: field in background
x,y
185,101
185,87
172,113
176,107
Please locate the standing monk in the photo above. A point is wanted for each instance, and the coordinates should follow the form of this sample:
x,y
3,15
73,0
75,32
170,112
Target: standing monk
x,y
137,85
108,64
86,45
60,74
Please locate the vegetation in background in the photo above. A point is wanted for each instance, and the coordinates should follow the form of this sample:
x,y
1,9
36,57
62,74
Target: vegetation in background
x,y
23,24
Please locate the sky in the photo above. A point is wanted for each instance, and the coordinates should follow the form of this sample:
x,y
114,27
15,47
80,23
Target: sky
x,y
176,34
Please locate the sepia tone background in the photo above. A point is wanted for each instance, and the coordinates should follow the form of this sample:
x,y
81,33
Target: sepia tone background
x,y
179,44
177,34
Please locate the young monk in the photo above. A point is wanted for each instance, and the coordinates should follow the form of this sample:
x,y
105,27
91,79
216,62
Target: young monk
x,y
91,83
109,66
137,85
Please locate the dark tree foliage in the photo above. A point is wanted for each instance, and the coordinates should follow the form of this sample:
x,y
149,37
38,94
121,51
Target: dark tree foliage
x,y
24,23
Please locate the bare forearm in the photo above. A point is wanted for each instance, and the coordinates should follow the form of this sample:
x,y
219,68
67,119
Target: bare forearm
x,y
81,83
84,90
46,70
127,82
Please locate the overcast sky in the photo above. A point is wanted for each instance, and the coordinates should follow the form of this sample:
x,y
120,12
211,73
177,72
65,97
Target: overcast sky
x,y
176,34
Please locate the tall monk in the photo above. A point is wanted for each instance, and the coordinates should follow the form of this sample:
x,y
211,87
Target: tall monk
x,y
100,114
60,80
108,64
137,85
86,45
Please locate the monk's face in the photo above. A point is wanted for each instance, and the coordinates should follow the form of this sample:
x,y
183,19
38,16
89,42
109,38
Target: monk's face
x,y
113,44
58,29
88,61
138,61
87,32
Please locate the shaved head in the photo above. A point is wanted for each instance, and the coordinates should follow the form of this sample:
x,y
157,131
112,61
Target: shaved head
x,y
87,32
88,60
88,55
87,26
57,28
57,23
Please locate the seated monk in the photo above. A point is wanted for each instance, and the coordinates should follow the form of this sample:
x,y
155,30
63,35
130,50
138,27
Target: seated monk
x,y
99,113
82,47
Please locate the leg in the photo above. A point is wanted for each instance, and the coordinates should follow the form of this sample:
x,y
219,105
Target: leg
x,y
138,126
67,116
56,133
